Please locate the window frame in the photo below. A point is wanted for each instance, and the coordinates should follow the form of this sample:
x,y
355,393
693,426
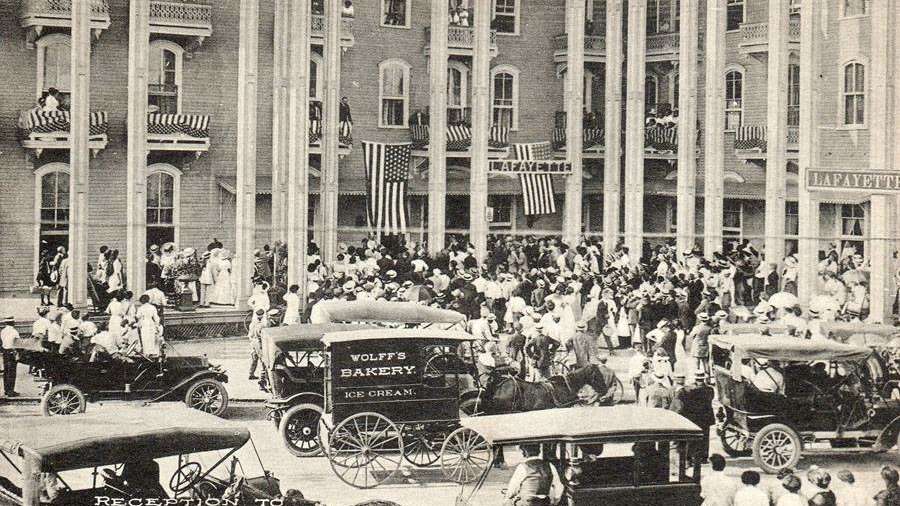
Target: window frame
x,y
730,3
843,94
647,78
175,174
517,16
739,71
42,44
464,92
407,16
739,230
405,67
843,238
674,89
793,85
39,174
510,201
843,10
174,47
514,72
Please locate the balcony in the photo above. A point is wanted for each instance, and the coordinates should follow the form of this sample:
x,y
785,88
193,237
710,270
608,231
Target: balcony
x,y
178,132
593,134
318,28
459,138
43,130
345,137
594,48
189,20
37,15
750,142
663,46
755,37
460,41
661,141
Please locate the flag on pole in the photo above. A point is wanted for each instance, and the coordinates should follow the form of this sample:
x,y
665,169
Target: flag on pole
x,y
387,173
537,189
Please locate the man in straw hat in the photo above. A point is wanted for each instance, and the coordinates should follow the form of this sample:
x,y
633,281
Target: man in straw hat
x,y
8,336
582,345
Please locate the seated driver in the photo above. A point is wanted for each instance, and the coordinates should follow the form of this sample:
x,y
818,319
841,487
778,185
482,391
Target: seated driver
x,y
535,482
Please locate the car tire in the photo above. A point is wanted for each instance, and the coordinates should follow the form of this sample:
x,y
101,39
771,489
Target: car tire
x,y
207,395
776,447
306,442
63,399
734,444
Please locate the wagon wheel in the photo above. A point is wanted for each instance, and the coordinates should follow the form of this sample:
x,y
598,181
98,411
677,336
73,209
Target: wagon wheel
x,y
63,399
207,395
420,447
776,447
365,450
299,428
734,442
465,455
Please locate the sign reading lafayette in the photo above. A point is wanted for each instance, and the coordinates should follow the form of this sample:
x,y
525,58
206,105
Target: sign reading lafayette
x,y
871,180
561,167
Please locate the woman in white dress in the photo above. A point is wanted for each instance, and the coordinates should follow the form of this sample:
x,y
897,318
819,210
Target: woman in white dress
x,y
115,279
115,310
148,322
222,293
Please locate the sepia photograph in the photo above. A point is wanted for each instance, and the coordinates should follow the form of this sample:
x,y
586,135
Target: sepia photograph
x,y
236,271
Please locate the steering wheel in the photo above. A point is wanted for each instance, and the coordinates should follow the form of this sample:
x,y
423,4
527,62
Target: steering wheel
x,y
185,477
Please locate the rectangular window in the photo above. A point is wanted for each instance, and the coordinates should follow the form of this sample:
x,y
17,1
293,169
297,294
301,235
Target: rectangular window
x,y
732,217
793,95
395,13
854,94
853,220
504,101
506,17
502,210
734,93
394,95
653,20
855,7
735,15
792,219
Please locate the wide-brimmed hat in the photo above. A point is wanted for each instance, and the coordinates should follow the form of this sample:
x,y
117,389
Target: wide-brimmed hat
x,y
7,320
703,317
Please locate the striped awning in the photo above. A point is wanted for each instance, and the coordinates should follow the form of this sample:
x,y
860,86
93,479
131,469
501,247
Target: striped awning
x,y
38,121
459,137
192,125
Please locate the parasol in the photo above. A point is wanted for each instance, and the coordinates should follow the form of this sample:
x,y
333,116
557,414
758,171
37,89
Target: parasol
x,y
823,303
853,276
783,300
419,293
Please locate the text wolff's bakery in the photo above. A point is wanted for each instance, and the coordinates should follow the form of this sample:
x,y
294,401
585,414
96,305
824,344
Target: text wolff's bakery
x,y
376,374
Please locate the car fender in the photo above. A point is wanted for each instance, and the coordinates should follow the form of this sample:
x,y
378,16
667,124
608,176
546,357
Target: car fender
x,y
183,384
888,437
304,397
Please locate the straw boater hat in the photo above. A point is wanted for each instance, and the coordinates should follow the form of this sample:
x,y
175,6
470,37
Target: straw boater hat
x,y
703,317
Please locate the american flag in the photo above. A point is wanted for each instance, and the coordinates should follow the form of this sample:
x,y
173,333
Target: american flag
x,y
387,172
537,189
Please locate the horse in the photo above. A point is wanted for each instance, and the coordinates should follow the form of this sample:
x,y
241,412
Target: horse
x,y
512,395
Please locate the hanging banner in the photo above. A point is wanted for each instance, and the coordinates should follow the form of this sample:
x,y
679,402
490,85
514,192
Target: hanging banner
x,y
560,167
865,180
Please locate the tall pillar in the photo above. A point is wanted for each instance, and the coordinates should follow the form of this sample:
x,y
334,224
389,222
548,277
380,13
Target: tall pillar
x,y
136,185
714,155
79,157
481,117
808,206
612,163
634,127
245,216
437,148
687,126
280,112
776,129
881,157
328,194
297,219
572,219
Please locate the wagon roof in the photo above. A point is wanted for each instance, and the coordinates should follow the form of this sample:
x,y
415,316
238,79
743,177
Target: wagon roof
x,y
303,336
427,334
381,311
791,348
112,435
582,424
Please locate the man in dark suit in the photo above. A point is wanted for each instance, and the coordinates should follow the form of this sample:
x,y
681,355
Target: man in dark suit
x,y
694,402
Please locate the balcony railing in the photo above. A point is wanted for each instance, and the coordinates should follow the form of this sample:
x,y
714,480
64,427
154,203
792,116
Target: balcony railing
x,y
178,18
40,130
178,132
753,139
35,15
594,47
319,26
460,40
459,136
593,134
345,134
755,36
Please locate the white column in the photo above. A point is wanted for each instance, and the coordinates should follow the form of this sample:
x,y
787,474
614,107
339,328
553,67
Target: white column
x,y
776,129
298,143
328,195
714,126
437,148
280,111
881,157
612,164
687,126
136,185
634,127
572,219
245,216
79,157
481,118
808,206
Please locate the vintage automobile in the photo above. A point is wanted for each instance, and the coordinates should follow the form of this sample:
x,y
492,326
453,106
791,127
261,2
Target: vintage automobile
x,y
73,381
780,395
123,452
622,455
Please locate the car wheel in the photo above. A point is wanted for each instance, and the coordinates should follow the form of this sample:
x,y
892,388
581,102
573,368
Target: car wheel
x,y
207,395
63,399
299,429
734,442
776,447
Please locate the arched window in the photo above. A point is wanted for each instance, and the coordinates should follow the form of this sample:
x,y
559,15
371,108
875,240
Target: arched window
x,y
793,94
393,93
854,93
51,207
734,99
651,94
163,183
54,64
164,81
505,96
457,92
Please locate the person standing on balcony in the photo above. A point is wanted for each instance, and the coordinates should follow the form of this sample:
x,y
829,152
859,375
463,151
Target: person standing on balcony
x,y
344,115
52,100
